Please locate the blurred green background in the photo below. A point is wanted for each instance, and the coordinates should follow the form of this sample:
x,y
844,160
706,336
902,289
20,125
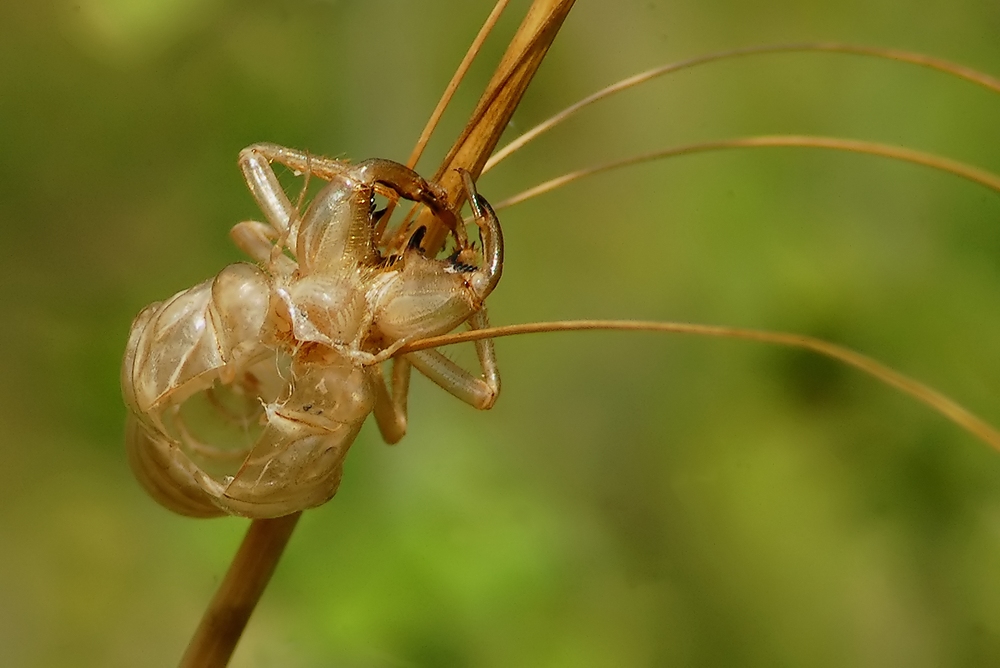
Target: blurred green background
x,y
633,499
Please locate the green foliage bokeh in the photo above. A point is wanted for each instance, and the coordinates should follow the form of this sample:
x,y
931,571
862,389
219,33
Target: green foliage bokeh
x,y
633,499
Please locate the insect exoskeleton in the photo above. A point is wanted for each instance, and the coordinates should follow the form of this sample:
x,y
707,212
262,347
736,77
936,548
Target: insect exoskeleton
x,y
246,391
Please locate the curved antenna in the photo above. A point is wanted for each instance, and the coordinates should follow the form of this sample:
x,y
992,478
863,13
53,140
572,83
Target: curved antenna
x,y
968,172
936,401
938,64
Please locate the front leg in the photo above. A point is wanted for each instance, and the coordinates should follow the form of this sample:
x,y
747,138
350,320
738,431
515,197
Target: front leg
x,y
477,391
298,161
409,185
265,188
390,409
260,242
399,179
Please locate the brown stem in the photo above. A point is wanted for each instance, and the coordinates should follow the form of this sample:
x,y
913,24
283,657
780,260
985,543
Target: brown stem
x,y
230,609
525,53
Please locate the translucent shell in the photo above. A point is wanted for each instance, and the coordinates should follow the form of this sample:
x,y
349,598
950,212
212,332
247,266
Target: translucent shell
x,y
220,422
246,391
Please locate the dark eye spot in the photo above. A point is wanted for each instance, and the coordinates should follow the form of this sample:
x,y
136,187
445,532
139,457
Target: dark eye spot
x,y
307,407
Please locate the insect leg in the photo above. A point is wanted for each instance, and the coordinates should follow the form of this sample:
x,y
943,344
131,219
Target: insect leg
x,y
491,237
299,161
478,391
257,240
410,185
266,189
390,409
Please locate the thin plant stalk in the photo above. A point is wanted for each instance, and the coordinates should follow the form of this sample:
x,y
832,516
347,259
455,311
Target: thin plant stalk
x,y
495,108
456,79
446,97
229,611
